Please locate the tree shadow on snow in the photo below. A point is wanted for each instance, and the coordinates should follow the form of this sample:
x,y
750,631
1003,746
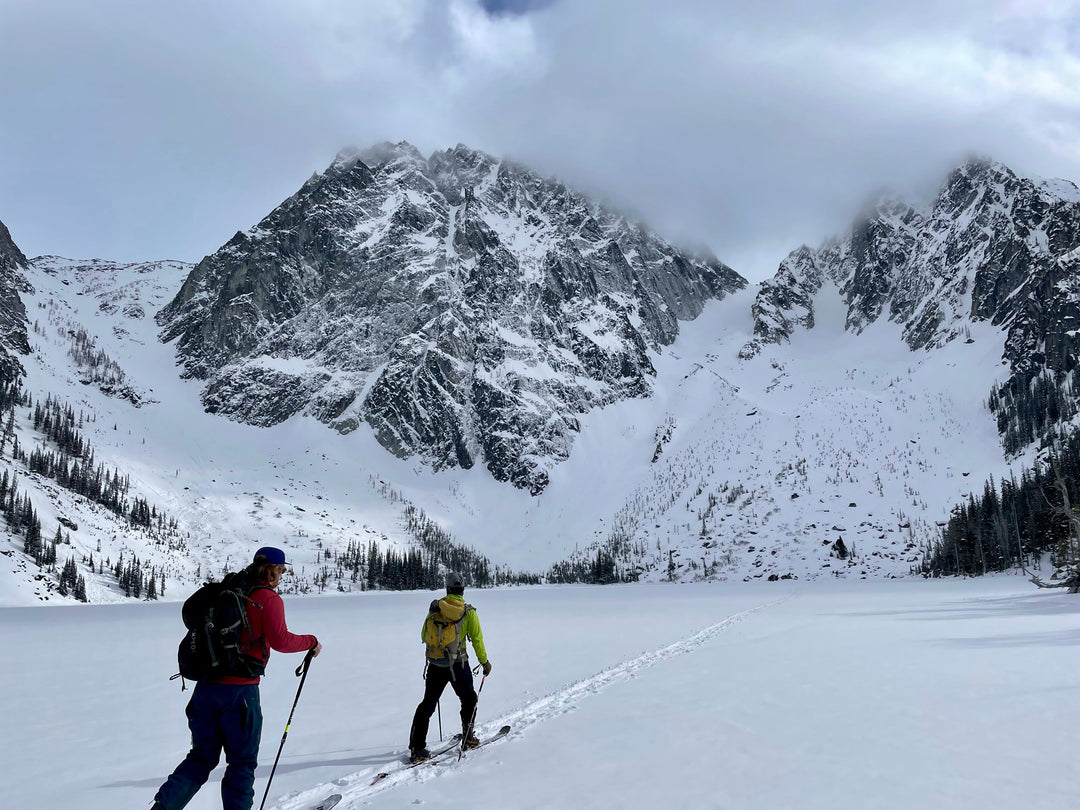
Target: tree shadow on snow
x,y
1059,638
1036,604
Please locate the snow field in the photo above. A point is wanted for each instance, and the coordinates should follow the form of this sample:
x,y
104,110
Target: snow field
x,y
877,694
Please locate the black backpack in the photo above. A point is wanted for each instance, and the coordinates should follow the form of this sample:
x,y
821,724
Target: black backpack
x,y
215,615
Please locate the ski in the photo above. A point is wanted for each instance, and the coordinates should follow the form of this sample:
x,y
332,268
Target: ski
x,y
328,802
436,753
498,735
434,759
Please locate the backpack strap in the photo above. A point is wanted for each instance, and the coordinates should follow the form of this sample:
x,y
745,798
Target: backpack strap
x,y
246,591
247,624
459,627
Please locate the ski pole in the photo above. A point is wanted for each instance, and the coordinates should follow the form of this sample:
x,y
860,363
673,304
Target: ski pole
x,y
439,704
472,721
301,673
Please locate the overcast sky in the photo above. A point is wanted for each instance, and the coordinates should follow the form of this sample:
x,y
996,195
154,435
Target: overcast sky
x,y
143,130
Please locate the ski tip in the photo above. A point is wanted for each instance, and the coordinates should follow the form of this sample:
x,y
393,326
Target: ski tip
x,y
329,802
504,730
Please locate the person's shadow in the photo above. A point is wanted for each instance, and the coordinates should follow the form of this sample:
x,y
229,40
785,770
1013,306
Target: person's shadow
x,y
357,762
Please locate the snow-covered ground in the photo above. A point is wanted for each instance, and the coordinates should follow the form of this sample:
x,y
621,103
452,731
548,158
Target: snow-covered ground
x,y
857,694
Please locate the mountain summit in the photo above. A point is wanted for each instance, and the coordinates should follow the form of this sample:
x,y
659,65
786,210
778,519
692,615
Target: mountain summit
x,y
463,306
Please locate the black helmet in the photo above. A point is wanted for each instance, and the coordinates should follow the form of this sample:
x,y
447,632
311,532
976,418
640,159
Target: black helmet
x,y
454,583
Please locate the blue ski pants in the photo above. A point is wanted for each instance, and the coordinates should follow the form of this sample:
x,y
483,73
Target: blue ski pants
x,y
220,716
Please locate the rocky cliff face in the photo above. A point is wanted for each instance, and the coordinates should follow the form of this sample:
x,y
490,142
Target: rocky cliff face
x,y
13,337
464,307
992,246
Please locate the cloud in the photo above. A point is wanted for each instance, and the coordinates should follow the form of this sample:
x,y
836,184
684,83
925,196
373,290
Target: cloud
x,y
513,6
497,43
135,131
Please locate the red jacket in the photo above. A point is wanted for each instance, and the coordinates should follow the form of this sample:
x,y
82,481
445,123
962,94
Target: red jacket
x,y
266,613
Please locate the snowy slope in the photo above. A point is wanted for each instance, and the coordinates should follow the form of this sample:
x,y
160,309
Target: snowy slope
x,y
231,487
828,436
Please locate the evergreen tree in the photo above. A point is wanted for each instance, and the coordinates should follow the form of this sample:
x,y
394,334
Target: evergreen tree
x,y
1016,521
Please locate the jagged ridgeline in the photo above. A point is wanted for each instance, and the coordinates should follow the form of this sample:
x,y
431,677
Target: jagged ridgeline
x,y
464,307
992,247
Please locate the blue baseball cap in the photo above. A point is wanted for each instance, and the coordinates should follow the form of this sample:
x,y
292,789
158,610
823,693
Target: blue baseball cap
x,y
274,556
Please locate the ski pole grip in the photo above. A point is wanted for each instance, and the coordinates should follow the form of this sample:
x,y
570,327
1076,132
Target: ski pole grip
x,y
306,662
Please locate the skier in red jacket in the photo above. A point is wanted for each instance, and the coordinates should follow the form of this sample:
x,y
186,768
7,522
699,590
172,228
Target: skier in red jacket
x,y
225,713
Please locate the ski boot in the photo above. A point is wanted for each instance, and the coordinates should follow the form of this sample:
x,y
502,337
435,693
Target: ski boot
x,y
419,754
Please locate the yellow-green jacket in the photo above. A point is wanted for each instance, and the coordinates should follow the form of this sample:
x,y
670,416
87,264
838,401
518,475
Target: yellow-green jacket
x,y
452,606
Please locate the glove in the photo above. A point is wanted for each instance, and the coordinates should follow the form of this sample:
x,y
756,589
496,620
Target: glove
x,y
487,668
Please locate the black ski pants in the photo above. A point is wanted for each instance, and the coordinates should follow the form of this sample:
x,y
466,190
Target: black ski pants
x,y
460,678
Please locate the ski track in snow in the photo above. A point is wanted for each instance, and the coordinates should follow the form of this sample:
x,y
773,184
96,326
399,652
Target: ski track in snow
x,y
545,708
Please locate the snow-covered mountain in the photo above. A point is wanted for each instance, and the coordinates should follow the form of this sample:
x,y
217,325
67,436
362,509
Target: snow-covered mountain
x,y
991,247
464,307
459,309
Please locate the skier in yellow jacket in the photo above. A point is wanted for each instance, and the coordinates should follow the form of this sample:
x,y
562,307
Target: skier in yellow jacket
x,y
448,623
